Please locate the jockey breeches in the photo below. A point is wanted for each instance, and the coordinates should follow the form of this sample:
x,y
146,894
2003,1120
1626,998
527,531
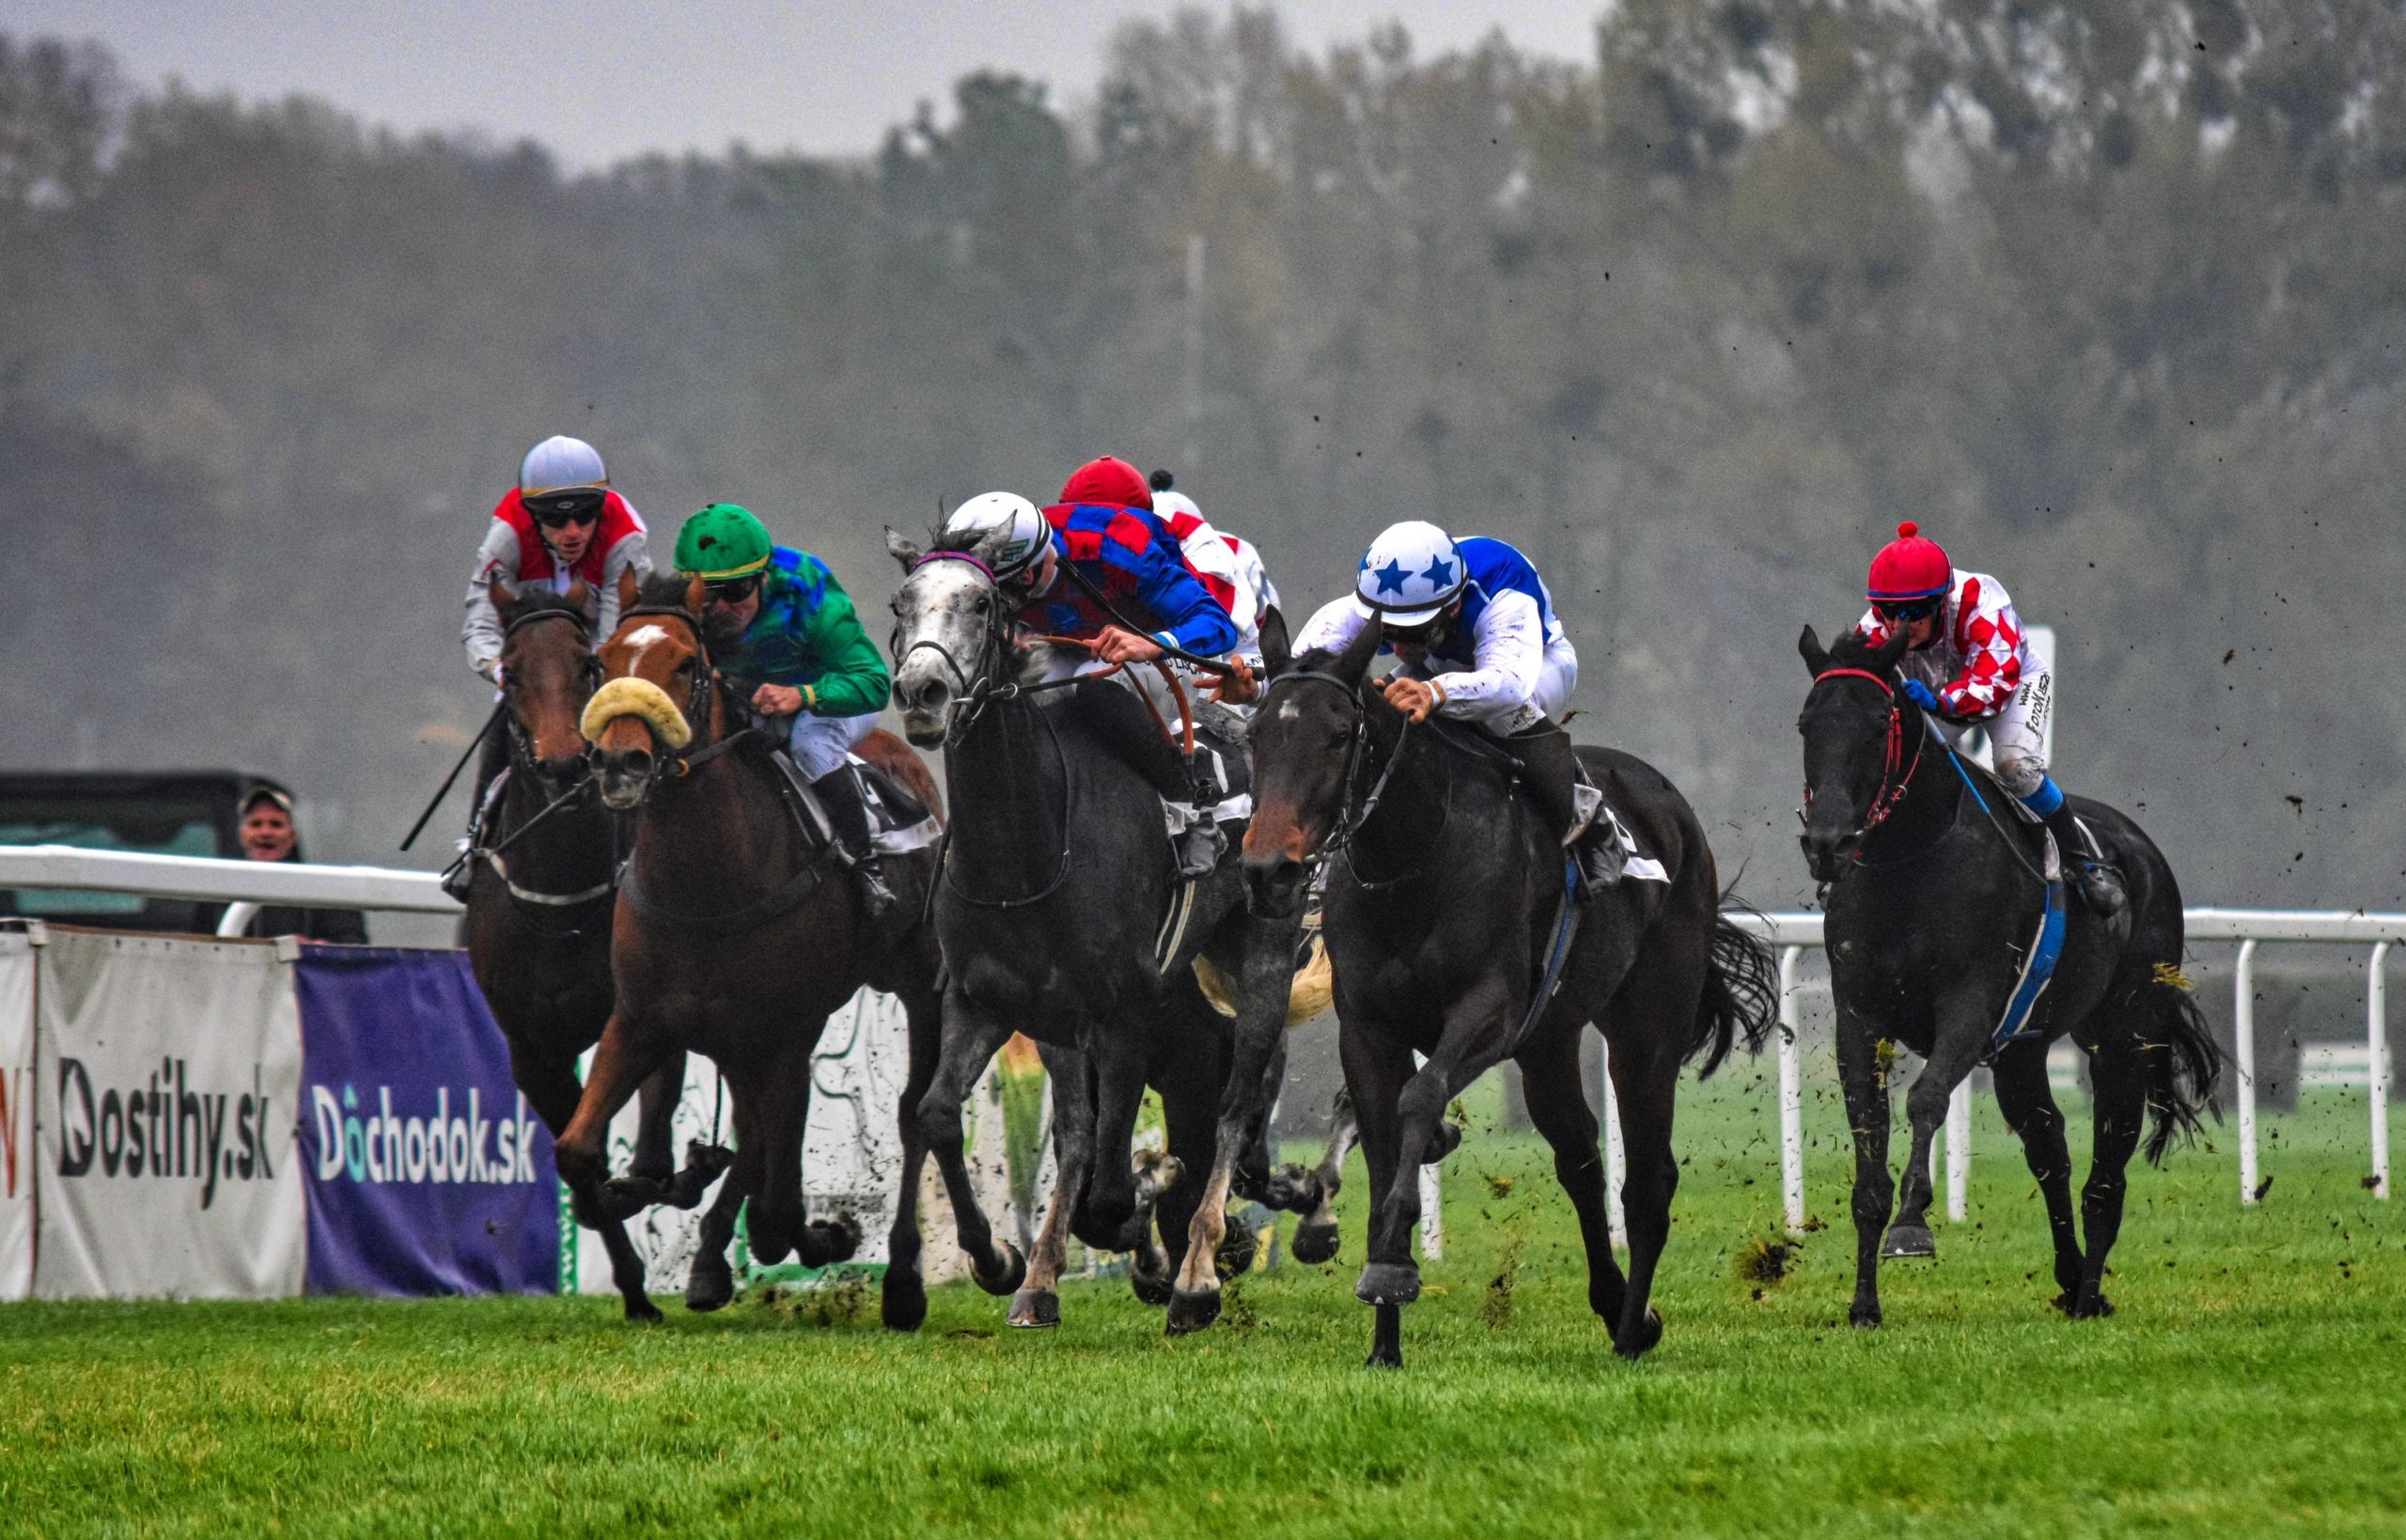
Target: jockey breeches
x,y
818,744
2017,735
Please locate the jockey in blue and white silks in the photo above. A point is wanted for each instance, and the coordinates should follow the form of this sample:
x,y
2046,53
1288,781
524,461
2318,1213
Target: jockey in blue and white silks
x,y
1475,629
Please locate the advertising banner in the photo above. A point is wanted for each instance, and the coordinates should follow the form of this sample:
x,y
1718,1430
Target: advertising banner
x,y
16,1116
427,1170
169,1077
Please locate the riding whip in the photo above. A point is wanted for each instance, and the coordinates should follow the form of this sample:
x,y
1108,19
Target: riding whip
x,y
444,789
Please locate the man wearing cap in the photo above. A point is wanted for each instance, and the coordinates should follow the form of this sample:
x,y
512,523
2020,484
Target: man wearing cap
x,y
782,630
269,834
1968,663
1474,629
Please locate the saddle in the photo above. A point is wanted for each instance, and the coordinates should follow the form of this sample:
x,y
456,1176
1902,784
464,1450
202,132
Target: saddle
x,y
899,822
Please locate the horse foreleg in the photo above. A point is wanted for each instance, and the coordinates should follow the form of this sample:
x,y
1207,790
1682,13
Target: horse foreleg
x,y
2029,1104
1864,1080
621,1062
1376,1067
1961,1038
1258,1033
550,1083
1316,1236
1038,1303
2119,1082
655,1157
903,1301
780,1218
971,1037
710,1282
1470,1041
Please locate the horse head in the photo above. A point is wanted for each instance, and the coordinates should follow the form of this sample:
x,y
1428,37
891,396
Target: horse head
x,y
548,672
1851,726
949,618
1305,735
655,695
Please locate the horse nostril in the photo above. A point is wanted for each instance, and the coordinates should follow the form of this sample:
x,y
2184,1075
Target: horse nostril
x,y
931,696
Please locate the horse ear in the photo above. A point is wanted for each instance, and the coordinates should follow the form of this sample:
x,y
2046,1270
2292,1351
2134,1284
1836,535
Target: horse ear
x,y
697,596
629,589
505,599
1278,652
903,548
580,594
1817,657
1354,661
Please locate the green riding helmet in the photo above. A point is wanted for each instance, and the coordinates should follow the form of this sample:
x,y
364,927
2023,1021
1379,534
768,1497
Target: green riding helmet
x,y
723,542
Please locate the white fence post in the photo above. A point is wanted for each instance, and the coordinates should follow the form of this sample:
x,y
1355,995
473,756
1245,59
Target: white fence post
x,y
1958,1151
2377,1043
2244,1029
1616,1157
1791,1093
1432,1194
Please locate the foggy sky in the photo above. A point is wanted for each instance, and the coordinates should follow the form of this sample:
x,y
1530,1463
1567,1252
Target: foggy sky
x,y
597,82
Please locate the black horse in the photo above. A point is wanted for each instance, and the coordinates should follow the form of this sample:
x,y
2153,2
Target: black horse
x,y
1062,916
1933,901
1440,919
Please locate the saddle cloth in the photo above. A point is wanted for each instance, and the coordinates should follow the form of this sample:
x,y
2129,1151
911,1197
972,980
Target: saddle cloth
x,y
1592,806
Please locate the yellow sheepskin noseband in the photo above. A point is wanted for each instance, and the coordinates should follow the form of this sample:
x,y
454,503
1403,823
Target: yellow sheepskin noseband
x,y
636,698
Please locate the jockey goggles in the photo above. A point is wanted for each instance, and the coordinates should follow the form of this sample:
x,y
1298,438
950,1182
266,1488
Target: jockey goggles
x,y
732,590
553,510
1905,611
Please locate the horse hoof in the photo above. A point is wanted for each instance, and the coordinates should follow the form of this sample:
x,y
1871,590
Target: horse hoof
x,y
640,1308
1032,1308
1863,1317
1908,1240
624,1197
2093,1307
1384,1358
1315,1243
1005,1280
1192,1311
1289,1189
903,1305
826,1241
704,1165
1154,1288
1449,1140
1647,1334
1237,1246
1388,1283
710,1285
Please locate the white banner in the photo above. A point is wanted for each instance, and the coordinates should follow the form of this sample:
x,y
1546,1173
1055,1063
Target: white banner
x,y
169,1077
852,1146
16,1116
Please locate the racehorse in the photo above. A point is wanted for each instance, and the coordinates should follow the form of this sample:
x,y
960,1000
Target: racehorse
x,y
1441,920
1062,916
1931,904
735,937
538,925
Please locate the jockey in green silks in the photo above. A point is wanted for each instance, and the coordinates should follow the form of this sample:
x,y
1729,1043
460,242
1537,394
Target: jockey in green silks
x,y
782,630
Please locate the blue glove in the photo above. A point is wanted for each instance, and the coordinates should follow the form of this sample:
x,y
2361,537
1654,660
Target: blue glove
x,y
1919,693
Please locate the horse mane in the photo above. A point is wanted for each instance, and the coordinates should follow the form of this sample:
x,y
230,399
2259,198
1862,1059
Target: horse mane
x,y
534,601
1851,648
964,543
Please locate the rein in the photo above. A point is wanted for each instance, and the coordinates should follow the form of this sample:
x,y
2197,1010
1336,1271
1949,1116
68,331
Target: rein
x,y
521,758
1350,818
1892,786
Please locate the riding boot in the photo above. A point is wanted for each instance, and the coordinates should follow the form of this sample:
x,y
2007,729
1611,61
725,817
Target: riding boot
x,y
1130,731
840,793
491,760
2100,884
1553,777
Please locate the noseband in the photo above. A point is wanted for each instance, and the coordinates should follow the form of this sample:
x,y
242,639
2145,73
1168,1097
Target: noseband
x,y
698,701
1892,785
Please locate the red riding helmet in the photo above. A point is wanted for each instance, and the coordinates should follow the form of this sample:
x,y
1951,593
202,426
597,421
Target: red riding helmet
x,y
1910,568
1109,481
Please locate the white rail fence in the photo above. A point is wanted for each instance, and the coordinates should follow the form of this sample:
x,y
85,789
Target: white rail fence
x,y
245,885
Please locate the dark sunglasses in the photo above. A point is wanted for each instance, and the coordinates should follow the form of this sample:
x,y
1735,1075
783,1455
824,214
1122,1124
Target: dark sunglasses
x,y
733,591
1906,613
566,508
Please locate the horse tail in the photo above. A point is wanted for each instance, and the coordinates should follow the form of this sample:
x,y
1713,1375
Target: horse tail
x,y
1741,991
2182,1064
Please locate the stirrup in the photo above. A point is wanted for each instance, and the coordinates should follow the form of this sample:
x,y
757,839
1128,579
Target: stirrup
x,y
2100,877
1200,846
877,899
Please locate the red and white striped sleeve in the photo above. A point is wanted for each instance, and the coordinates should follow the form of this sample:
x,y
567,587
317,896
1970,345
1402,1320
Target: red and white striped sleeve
x,y
1988,636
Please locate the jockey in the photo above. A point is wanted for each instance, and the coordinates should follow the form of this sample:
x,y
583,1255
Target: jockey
x,y
1048,560
1230,569
561,526
1968,663
1476,632
784,634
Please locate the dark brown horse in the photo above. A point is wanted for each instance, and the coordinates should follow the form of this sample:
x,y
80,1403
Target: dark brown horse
x,y
537,927
737,933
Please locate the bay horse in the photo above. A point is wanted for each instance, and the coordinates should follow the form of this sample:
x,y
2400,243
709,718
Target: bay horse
x,y
544,877
1932,904
1058,896
1443,892
736,935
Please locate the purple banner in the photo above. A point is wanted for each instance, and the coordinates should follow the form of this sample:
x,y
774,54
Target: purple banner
x,y
428,1172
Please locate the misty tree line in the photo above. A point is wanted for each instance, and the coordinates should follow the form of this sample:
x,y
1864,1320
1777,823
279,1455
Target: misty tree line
x,y
2108,295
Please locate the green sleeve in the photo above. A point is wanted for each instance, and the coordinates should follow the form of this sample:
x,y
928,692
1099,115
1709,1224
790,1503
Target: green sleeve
x,y
854,680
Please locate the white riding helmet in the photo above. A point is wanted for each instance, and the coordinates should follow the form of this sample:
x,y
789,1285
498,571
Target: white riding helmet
x,y
1001,529
1167,503
560,463
1412,571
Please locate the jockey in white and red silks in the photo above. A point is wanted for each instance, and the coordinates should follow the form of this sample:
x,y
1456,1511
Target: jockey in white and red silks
x,y
1968,664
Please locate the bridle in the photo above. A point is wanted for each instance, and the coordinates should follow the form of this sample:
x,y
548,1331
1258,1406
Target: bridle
x,y
706,680
521,756
1351,815
1893,786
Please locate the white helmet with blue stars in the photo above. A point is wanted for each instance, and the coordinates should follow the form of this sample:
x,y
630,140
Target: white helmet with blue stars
x,y
1412,573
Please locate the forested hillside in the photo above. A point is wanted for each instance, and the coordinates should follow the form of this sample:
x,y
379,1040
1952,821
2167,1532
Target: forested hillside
x,y
2111,296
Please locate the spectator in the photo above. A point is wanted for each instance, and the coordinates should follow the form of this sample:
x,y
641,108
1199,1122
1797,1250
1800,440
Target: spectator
x,y
267,834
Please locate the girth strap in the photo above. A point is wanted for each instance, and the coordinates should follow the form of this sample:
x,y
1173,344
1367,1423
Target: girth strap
x,y
733,921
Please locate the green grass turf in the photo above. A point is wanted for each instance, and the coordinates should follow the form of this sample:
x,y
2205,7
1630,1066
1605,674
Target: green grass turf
x,y
2253,1380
